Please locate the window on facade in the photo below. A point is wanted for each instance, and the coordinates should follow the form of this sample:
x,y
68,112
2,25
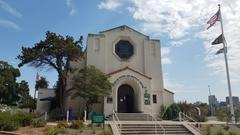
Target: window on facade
x,y
154,99
109,100
124,49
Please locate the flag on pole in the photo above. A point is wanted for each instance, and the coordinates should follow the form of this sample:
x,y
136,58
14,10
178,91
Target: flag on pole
x,y
213,19
221,51
218,40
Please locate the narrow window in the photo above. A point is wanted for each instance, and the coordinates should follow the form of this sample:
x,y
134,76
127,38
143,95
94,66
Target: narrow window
x,y
109,99
154,99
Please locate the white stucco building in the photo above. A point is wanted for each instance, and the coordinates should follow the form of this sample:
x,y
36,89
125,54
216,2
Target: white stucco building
x,y
133,61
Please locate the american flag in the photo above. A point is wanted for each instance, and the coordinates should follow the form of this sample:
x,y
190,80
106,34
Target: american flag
x,y
213,19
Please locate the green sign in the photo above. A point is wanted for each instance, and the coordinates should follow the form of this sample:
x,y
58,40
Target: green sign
x,y
146,98
98,118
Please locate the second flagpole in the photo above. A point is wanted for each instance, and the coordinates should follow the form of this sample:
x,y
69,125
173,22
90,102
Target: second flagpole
x,y
227,70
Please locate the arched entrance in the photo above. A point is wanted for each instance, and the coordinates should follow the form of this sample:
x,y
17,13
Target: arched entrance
x,y
125,99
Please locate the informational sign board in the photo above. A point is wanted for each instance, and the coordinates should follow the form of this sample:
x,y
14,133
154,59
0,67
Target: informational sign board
x,y
98,118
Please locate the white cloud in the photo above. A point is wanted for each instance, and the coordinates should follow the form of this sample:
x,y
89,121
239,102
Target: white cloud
x,y
9,24
5,6
164,55
186,19
71,6
110,4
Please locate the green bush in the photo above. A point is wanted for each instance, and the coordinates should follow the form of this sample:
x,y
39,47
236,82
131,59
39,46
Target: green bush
x,y
24,119
226,127
93,131
13,121
8,125
171,112
233,133
200,118
106,131
76,124
208,130
62,124
220,132
51,131
37,122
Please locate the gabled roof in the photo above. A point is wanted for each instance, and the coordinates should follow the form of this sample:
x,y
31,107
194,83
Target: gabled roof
x,y
128,68
122,27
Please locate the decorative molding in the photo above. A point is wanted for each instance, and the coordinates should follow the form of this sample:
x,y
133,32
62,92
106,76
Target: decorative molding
x,y
125,68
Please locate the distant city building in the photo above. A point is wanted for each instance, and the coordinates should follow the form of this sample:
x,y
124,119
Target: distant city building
x,y
235,100
213,103
222,104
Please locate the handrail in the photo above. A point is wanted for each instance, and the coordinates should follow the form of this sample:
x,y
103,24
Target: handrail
x,y
190,118
155,121
159,124
117,122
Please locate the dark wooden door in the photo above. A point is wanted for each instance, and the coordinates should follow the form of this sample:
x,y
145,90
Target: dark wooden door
x,y
125,99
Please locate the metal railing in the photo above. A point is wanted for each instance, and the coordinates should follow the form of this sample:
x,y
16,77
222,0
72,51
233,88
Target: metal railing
x,y
117,122
183,117
156,122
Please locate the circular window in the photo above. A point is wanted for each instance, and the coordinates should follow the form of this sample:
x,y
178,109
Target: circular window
x,y
124,49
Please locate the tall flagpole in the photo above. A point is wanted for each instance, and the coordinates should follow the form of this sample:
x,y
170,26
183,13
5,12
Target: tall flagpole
x,y
227,70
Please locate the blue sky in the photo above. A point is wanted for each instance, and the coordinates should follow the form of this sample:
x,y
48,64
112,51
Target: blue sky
x,y
189,63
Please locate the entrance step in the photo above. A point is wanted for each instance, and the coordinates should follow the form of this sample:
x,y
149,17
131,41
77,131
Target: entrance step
x,y
149,129
132,117
143,124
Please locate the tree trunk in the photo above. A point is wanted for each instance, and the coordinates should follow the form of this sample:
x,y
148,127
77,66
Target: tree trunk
x,y
62,87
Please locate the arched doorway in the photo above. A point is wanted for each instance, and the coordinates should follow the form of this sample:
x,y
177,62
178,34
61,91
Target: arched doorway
x,y
125,99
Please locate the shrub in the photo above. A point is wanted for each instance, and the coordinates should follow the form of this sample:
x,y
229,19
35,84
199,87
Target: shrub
x,y
93,131
220,132
8,125
208,130
37,122
233,133
106,131
24,119
201,118
171,112
51,131
226,127
76,124
12,122
62,124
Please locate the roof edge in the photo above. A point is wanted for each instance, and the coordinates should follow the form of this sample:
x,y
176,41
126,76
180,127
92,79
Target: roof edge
x,y
125,68
122,27
168,91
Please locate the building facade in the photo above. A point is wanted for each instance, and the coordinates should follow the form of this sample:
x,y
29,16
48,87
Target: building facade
x,y
133,62
235,100
213,104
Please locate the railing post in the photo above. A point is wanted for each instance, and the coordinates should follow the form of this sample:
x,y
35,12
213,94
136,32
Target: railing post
x,y
45,116
180,117
67,116
85,116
